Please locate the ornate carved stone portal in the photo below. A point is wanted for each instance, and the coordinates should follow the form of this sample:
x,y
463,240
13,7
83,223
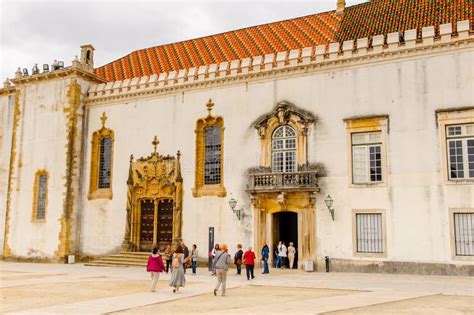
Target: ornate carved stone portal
x,y
154,201
274,192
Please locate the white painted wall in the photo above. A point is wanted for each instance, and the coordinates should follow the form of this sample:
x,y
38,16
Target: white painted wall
x,y
41,141
6,123
415,198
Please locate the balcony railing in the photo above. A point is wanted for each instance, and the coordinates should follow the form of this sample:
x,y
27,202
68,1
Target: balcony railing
x,y
273,182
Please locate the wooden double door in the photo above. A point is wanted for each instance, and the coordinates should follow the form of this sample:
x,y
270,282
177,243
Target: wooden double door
x,y
156,225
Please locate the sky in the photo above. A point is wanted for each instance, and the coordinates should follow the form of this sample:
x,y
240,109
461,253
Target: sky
x,y
41,31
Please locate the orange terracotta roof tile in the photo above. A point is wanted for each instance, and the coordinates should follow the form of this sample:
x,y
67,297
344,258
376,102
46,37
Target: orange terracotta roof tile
x,y
359,21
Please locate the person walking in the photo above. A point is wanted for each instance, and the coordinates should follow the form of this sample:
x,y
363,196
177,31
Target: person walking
x,y
186,255
221,264
249,261
194,258
265,255
238,257
155,266
213,255
167,256
283,254
277,254
291,254
177,279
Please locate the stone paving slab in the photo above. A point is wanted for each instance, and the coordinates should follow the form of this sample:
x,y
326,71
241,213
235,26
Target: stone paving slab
x,y
379,289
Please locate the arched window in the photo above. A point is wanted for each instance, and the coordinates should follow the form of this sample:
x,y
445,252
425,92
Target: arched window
x,y
212,172
100,185
209,173
40,194
284,150
105,159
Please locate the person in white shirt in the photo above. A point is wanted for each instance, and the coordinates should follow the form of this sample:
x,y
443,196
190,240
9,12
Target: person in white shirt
x,y
283,254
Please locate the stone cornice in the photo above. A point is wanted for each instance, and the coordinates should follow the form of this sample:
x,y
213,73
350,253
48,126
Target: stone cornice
x,y
74,71
283,64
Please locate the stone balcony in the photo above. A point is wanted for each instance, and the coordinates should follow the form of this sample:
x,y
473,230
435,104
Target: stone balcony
x,y
262,182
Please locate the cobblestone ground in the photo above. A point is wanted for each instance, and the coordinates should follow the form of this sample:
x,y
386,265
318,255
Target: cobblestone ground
x,y
58,289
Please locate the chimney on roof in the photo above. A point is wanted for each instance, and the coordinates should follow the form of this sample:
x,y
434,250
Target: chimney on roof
x,y
341,4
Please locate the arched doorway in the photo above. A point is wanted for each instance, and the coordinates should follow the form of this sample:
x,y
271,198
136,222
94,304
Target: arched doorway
x,y
285,229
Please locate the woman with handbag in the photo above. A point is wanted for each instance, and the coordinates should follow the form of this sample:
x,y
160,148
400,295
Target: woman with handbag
x,y
238,259
177,275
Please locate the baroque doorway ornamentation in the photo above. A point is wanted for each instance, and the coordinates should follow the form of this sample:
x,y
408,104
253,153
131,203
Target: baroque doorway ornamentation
x,y
154,201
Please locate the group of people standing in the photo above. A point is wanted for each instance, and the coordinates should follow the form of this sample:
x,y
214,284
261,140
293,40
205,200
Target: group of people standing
x,y
179,259
282,253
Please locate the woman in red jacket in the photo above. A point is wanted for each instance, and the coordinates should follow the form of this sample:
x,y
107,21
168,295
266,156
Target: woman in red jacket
x,y
249,261
155,266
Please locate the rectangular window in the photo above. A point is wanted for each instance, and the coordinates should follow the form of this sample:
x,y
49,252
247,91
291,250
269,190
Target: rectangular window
x,y
366,157
464,234
212,170
105,155
369,234
460,151
41,200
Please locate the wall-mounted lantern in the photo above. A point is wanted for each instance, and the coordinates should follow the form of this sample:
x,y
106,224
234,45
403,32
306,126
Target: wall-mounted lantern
x,y
328,201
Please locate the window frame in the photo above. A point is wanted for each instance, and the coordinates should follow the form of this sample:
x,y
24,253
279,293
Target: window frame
x,y
284,150
381,212
94,191
368,124
200,188
34,214
463,138
445,118
452,232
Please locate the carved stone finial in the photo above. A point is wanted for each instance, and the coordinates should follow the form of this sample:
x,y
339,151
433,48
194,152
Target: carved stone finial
x,y
209,106
131,158
178,154
103,119
155,143
340,6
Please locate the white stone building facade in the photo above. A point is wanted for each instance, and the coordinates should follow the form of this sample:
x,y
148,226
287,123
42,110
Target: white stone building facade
x,y
372,123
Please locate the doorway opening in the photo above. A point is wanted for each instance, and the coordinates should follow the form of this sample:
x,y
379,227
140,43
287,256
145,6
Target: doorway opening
x,y
146,224
285,229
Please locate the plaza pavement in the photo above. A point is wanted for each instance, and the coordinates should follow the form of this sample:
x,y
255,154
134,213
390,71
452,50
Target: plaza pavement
x,y
27,288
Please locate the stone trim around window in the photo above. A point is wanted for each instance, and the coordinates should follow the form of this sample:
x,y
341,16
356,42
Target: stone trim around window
x,y
200,188
34,215
94,191
368,124
355,253
452,232
452,117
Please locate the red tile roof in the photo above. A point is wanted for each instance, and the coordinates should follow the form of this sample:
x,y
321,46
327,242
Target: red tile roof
x,y
359,21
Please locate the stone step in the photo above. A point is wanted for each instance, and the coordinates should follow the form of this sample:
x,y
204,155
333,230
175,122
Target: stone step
x,y
122,259
102,264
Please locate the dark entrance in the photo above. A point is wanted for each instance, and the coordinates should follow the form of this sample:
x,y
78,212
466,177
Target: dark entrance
x,y
164,227
285,229
146,226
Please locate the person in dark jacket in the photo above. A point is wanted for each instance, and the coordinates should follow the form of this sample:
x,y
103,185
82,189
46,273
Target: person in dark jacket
x,y
186,255
238,259
265,255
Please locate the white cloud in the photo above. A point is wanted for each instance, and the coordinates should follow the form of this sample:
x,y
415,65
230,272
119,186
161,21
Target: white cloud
x,y
41,31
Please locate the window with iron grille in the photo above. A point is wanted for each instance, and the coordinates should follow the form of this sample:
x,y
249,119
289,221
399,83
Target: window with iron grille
x,y
460,150
369,234
366,157
212,171
41,197
464,234
284,150
105,155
